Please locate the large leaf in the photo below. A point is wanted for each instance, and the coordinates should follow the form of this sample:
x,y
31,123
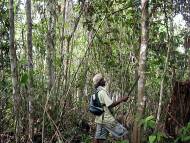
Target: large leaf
x,y
24,79
149,118
151,123
187,138
152,139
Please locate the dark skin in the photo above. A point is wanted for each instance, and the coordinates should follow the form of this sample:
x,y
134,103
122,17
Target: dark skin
x,y
114,104
102,83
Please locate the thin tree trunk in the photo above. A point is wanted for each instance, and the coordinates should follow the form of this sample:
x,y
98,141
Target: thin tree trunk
x,y
68,43
1,89
30,68
189,65
63,34
51,45
165,68
161,89
50,54
1,64
66,64
84,73
14,73
141,70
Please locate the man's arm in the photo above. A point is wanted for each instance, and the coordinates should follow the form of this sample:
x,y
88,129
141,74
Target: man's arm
x,y
124,99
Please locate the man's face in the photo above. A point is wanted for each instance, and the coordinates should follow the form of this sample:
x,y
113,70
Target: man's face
x,y
103,82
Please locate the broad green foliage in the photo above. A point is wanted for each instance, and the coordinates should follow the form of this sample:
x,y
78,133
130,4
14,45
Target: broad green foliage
x,y
149,125
151,139
6,113
148,122
184,134
4,29
24,79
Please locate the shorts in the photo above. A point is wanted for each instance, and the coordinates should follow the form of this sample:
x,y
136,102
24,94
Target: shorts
x,y
116,129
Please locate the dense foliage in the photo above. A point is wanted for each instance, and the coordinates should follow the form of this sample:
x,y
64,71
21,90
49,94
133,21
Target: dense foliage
x,y
73,40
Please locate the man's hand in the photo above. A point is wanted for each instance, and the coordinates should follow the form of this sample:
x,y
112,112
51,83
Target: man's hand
x,y
124,99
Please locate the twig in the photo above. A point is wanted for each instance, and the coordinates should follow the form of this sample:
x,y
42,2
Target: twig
x,y
175,119
132,88
57,129
47,100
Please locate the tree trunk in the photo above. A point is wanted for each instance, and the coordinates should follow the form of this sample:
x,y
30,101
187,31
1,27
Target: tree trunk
x,y
63,34
30,68
178,109
84,74
1,88
14,73
165,68
67,60
141,70
66,64
51,44
50,54
189,65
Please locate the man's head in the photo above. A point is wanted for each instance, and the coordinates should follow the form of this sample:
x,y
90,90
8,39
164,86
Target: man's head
x,y
99,80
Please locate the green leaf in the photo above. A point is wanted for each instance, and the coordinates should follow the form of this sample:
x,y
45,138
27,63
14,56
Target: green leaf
x,y
177,140
151,123
187,138
24,79
152,139
149,118
160,135
59,141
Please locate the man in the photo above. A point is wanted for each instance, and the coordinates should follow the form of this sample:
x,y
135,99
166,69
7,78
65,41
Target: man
x,y
106,122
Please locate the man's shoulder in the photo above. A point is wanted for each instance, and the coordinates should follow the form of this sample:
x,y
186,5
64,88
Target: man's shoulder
x,y
102,90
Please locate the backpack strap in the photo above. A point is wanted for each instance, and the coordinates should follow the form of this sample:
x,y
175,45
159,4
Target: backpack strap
x,y
96,96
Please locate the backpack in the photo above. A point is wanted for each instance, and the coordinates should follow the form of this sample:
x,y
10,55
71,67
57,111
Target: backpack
x,y
95,106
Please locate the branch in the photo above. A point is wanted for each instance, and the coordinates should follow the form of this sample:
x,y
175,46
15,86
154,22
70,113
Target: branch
x,y
77,21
